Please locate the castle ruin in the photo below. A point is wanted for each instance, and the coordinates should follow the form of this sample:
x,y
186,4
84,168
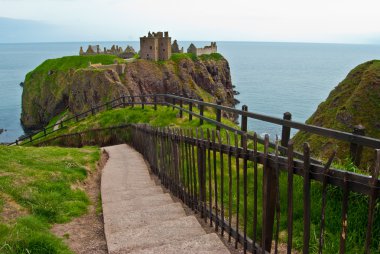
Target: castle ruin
x,y
203,51
156,46
129,52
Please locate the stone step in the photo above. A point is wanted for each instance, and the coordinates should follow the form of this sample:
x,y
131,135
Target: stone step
x,y
142,218
154,235
130,194
118,209
205,244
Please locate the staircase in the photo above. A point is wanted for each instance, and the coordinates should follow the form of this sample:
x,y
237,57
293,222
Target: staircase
x,y
140,218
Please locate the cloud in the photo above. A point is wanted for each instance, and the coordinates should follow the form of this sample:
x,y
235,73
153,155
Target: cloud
x,y
270,20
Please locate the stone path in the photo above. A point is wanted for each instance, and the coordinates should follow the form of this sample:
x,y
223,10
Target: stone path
x,y
140,218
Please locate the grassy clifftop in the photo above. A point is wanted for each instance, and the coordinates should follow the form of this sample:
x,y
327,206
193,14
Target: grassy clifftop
x,y
355,101
68,83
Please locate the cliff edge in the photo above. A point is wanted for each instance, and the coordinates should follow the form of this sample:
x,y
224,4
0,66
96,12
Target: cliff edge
x,y
77,82
355,101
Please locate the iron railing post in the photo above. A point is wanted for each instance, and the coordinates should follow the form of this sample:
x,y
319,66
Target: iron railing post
x,y
155,102
201,108
269,199
180,106
244,121
355,149
218,114
285,136
190,109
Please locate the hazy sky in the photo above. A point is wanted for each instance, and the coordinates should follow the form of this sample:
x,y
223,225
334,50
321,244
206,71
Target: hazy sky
x,y
346,21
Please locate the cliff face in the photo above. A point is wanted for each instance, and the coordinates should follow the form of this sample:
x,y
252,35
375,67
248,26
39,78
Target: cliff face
x,y
355,101
49,90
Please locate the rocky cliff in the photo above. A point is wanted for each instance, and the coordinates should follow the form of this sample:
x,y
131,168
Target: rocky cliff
x,y
355,101
69,83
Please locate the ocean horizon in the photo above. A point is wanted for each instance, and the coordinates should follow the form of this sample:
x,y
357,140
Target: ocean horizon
x,y
271,77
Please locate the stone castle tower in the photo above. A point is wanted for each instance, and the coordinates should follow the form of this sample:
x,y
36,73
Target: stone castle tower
x,y
156,46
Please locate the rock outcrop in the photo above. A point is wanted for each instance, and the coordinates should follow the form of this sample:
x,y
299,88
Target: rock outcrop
x,y
49,91
355,101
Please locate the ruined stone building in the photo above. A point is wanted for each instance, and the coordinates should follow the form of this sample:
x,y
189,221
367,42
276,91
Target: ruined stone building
x,y
175,47
119,68
202,51
129,52
156,46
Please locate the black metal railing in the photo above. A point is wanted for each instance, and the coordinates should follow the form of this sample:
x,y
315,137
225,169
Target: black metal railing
x,y
356,139
216,174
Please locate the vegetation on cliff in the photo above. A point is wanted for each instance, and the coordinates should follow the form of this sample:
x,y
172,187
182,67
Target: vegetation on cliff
x,y
355,101
69,83
40,187
166,116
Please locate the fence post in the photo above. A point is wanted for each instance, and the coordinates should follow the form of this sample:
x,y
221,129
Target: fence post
x,y
45,132
173,102
218,114
124,100
355,149
155,102
16,142
244,121
77,118
269,199
132,102
61,123
142,102
285,136
190,109
93,110
202,175
180,105
201,108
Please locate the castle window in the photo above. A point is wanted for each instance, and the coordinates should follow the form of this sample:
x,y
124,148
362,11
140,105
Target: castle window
x,y
163,49
150,47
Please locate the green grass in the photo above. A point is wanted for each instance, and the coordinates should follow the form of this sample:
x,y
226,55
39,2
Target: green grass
x,y
164,116
354,101
212,56
357,216
72,62
176,57
357,210
42,182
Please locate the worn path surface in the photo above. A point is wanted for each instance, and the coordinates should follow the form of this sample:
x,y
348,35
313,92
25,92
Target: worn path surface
x,y
140,218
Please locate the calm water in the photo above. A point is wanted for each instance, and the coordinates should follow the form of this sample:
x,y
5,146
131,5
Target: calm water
x,y
272,78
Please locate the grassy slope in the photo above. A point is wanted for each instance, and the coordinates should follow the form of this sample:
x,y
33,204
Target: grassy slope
x,y
38,183
354,101
38,80
165,116
73,62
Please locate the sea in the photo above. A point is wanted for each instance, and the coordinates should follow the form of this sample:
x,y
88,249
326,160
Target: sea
x,y
271,77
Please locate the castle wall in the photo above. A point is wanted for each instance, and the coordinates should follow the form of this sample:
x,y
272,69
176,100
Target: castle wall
x,y
206,51
164,48
118,68
149,48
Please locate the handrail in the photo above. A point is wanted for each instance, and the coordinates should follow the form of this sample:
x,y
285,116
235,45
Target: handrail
x,y
340,135
165,100
182,161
